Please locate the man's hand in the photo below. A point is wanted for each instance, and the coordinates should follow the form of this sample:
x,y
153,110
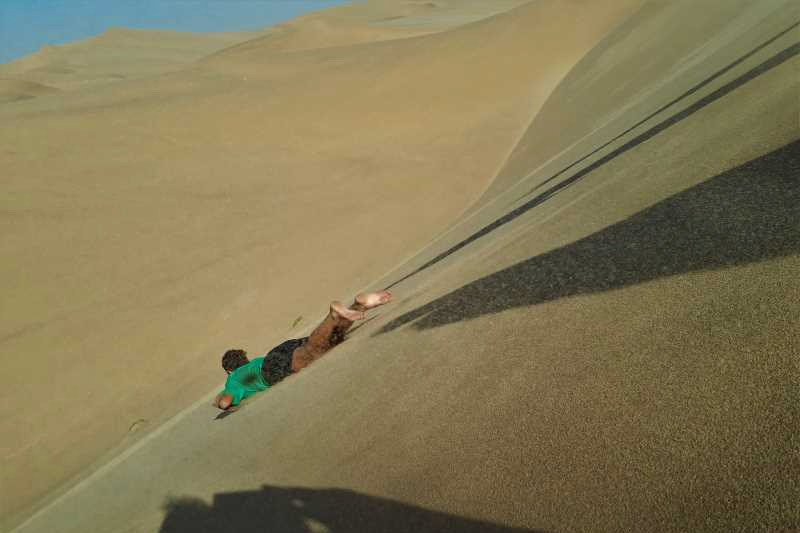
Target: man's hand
x,y
223,401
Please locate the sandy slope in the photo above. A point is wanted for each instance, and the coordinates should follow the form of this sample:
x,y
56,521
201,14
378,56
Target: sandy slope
x,y
628,75
609,344
155,222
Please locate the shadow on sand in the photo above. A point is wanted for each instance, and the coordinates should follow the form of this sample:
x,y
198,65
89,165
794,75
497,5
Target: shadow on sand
x,y
747,214
302,510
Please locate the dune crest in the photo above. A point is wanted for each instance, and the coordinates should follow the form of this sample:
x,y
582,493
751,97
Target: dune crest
x,y
115,55
125,54
366,22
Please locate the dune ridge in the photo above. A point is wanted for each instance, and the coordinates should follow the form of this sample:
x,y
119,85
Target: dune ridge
x,y
117,54
365,22
663,73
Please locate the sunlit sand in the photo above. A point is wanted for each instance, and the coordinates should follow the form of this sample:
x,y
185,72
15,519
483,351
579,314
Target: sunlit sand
x,y
584,210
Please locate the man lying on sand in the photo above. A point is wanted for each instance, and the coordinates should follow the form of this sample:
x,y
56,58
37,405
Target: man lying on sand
x,y
246,378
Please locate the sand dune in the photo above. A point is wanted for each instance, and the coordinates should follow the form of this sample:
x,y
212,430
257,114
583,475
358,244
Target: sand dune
x,y
121,54
205,200
13,90
364,22
652,76
117,54
601,340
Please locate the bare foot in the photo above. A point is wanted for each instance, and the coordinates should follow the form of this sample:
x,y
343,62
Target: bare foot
x,y
339,310
368,300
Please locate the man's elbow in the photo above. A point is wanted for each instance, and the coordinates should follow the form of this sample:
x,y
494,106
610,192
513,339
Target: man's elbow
x,y
225,401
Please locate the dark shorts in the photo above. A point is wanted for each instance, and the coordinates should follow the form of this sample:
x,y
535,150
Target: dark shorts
x,y
278,361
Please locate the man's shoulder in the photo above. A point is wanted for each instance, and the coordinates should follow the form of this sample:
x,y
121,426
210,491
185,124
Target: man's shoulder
x,y
232,381
253,366
245,370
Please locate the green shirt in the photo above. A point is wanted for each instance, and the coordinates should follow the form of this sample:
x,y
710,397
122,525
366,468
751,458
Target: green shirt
x,y
245,381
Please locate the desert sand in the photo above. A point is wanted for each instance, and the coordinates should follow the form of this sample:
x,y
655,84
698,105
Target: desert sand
x,y
588,213
118,54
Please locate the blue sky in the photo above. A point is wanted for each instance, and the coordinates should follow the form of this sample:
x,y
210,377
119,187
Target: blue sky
x,y
26,25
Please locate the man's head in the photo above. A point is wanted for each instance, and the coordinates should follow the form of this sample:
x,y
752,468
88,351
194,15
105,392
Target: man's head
x,y
233,359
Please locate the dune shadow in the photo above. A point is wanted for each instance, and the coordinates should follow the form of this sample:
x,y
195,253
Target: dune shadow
x,y
747,214
303,510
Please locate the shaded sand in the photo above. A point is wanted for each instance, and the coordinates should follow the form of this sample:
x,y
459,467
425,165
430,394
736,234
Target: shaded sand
x,y
155,222
606,341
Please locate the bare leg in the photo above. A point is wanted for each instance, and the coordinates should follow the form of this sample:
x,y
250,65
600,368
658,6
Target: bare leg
x,y
332,329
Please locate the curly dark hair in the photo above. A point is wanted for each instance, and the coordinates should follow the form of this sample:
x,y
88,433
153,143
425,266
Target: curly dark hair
x,y
233,359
